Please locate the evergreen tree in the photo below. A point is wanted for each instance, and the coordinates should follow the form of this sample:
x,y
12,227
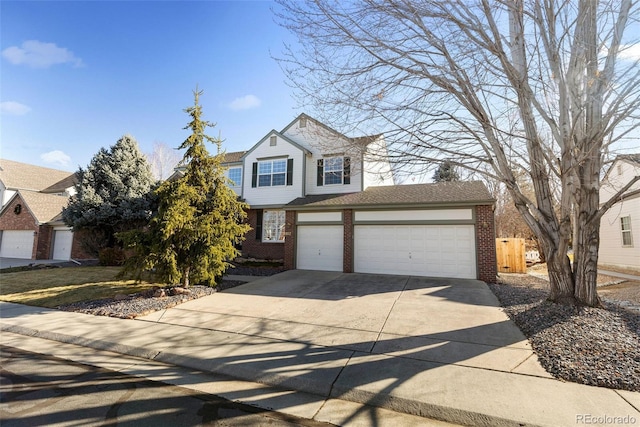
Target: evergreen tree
x,y
112,195
199,219
446,172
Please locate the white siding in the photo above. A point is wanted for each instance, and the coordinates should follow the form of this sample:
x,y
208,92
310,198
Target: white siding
x,y
612,252
415,215
319,216
277,195
377,169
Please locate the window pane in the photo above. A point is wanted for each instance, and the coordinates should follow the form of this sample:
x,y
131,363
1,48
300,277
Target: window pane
x,y
333,167
264,180
278,179
333,178
235,175
625,223
625,227
264,167
273,226
279,166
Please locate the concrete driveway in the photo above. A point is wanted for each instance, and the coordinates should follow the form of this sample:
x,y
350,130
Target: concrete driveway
x,y
451,321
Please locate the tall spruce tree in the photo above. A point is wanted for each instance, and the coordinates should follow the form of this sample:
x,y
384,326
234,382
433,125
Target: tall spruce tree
x,y
446,172
112,195
199,219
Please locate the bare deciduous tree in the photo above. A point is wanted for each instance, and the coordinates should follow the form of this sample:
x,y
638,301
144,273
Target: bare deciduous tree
x,y
542,86
163,159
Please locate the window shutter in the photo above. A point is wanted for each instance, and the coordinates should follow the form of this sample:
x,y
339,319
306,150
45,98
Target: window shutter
x,y
320,172
347,170
254,175
289,171
258,224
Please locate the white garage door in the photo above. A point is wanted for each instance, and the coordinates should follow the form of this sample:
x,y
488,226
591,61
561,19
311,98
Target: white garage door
x,y
425,250
320,247
62,240
16,244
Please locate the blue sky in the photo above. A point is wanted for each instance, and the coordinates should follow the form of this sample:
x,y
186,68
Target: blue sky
x,y
77,75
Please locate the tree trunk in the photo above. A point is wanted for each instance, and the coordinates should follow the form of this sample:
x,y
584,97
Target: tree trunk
x,y
561,279
185,277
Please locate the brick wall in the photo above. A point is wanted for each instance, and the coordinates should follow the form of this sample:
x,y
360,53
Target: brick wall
x,y
44,241
255,248
486,243
22,221
289,241
347,257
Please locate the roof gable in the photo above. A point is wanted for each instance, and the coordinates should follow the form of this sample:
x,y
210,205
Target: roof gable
x,y
23,176
279,135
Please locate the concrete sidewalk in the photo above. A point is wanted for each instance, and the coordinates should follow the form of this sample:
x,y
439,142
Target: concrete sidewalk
x,y
336,347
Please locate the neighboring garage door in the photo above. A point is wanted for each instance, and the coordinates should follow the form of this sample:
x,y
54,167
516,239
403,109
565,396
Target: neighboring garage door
x,y
425,250
16,244
320,247
62,240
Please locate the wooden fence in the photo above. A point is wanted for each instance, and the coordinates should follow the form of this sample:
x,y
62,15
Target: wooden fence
x,y
510,254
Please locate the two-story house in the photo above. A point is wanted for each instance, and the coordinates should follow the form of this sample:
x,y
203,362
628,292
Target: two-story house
x,y
321,200
620,225
31,225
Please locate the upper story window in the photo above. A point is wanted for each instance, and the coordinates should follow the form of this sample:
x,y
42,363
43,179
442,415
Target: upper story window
x,y
334,170
271,173
625,228
235,175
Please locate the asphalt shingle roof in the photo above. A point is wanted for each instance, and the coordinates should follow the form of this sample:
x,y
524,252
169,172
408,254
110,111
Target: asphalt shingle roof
x,y
414,194
45,207
17,176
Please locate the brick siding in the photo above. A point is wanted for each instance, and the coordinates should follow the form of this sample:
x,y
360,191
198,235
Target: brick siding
x,y
486,243
23,221
347,256
253,248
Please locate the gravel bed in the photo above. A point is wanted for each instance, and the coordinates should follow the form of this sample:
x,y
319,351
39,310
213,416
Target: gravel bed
x,y
594,346
139,304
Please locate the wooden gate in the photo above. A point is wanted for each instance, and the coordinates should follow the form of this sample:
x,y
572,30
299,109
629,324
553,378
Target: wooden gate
x,y
510,254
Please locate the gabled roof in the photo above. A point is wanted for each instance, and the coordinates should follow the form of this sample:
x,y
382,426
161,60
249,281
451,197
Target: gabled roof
x,y
235,157
61,186
279,135
23,176
44,207
360,140
442,193
631,158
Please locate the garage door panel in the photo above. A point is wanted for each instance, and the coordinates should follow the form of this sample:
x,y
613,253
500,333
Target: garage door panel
x,y
17,244
62,241
320,247
428,250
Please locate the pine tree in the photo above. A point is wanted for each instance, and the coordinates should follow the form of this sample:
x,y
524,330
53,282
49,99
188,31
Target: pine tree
x,y
199,219
112,195
446,172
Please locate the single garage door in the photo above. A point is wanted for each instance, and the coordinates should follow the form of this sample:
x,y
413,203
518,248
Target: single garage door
x,y
62,240
424,250
320,247
16,244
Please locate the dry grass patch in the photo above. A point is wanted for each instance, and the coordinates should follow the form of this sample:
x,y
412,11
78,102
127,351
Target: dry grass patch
x,y
52,287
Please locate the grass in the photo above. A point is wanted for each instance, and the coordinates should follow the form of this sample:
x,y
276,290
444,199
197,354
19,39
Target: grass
x,y
51,287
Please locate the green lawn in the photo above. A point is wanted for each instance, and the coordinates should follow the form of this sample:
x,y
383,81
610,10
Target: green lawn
x,y
51,287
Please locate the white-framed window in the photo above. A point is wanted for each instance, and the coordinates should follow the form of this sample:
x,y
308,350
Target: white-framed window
x,y
333,170
235,175
272,172
625,229
273,226
273,141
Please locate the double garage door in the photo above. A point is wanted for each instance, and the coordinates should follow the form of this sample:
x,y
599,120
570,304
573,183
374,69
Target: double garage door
x,y
423,250
16,244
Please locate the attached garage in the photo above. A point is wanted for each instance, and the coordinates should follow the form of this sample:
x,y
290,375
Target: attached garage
x,y
17,244
420,250
62,241
438,230
320,241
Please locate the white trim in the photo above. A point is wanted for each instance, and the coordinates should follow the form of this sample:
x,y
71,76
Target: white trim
x,y
415,215
319,216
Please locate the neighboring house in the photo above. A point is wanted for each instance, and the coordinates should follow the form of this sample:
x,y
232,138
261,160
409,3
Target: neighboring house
x,y
620,225
30,216
321,200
